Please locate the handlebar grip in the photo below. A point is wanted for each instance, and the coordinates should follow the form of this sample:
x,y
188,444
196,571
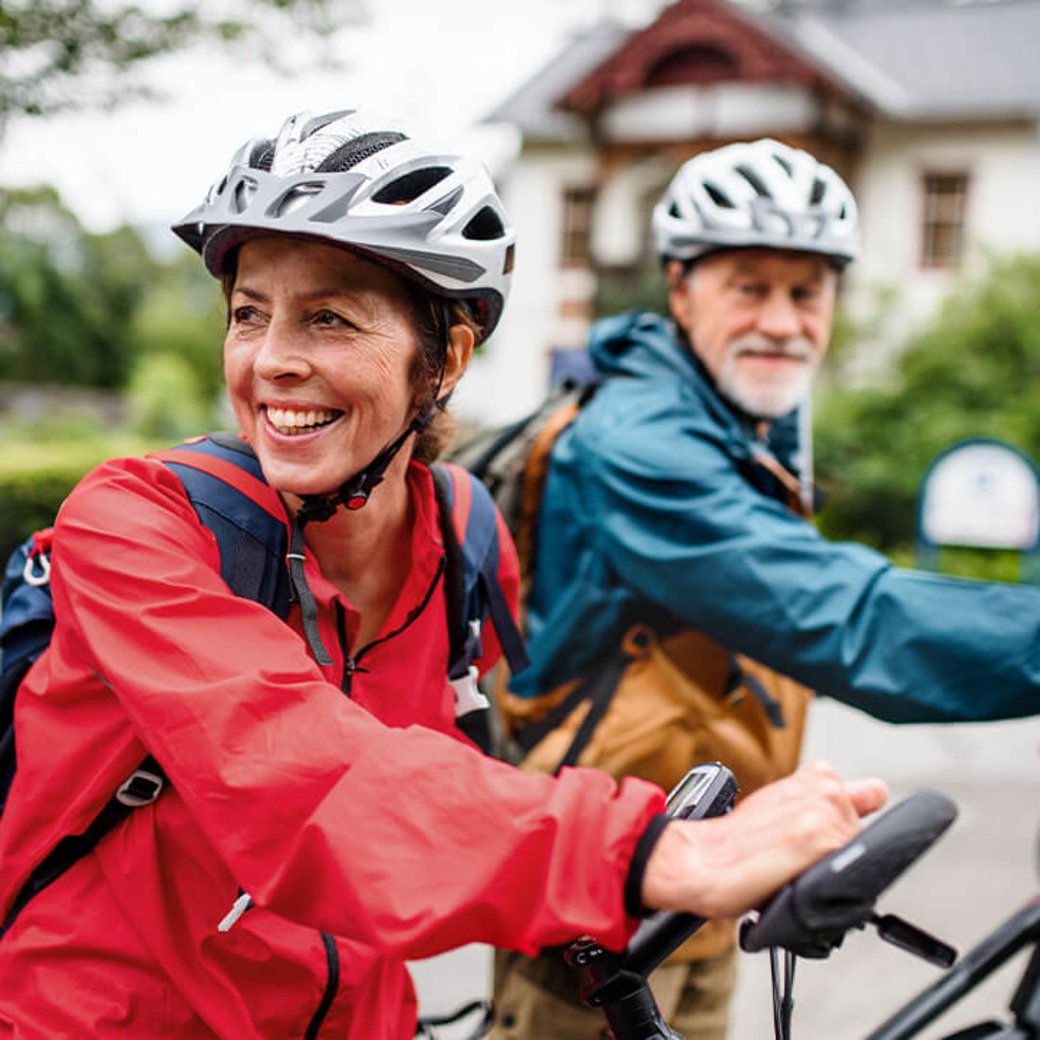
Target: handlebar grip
x,y
811,914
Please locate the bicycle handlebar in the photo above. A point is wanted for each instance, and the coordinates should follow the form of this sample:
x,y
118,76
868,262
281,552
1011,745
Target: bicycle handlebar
x,y
811,914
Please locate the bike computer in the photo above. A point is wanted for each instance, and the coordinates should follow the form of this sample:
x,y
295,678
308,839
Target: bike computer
x,y
706,790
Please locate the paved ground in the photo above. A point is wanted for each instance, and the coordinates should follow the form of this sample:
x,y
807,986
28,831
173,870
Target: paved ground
x,y
980,872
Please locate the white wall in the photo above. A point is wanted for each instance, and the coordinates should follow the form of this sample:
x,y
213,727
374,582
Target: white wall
x,y
511,376
1003,214
725,110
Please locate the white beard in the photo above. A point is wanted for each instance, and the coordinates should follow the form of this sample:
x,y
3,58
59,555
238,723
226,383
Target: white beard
x,y
767,398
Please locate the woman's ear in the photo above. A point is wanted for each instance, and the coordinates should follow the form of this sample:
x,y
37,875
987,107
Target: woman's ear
x,y
461,342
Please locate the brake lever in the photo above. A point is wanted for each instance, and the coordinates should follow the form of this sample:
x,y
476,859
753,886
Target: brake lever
x,y
909,937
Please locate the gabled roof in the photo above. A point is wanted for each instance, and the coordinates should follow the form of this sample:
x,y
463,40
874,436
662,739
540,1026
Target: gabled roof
x,y
532,108
704,39
910,59
930,60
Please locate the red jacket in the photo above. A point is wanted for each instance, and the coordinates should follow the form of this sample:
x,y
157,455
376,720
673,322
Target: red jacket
x,y
364,817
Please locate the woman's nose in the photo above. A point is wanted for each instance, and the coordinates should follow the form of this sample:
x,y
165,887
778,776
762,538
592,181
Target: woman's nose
x,y
282,354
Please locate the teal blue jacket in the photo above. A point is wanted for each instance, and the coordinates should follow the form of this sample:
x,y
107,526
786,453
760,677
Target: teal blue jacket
x,y
653,513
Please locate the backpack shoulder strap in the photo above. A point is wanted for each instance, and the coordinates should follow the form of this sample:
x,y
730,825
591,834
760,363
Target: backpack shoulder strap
x,y
226,486
470,521
469,527
535,474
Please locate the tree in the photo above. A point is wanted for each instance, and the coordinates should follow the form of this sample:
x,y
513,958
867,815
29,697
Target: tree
x,y
61,54
86,310
973,371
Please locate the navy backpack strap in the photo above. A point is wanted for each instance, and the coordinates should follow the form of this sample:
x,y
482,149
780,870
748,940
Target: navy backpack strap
x,y
226,486
475,574
25,631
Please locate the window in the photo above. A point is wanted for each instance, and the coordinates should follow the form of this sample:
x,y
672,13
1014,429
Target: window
x,y
944,206
577,226
698,63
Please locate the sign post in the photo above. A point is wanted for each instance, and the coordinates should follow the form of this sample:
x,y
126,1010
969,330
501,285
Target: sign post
x,y
983,493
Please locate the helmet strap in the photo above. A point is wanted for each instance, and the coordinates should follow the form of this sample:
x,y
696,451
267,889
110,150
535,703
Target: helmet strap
x,y
352,494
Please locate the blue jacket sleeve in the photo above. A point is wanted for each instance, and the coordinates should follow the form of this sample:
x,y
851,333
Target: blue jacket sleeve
x,y
682,526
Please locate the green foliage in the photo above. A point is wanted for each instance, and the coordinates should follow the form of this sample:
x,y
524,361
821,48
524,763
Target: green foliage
x,y
183,313
62,54
84,310
67,298
642,288
165,401
973,371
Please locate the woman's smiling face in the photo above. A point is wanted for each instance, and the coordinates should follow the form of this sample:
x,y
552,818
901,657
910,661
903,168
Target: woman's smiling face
x,y
317,357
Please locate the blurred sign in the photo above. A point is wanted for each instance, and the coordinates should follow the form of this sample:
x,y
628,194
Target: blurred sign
x,y
981,492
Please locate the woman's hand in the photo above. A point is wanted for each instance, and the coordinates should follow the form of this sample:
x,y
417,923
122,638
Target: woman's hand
x,y
723,867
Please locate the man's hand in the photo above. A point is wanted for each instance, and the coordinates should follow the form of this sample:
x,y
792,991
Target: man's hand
x,y
723,867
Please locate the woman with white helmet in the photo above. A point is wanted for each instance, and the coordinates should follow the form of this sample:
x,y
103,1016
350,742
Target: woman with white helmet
x,y
310,815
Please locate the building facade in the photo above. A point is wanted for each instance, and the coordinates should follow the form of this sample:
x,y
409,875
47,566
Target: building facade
x,y
929,108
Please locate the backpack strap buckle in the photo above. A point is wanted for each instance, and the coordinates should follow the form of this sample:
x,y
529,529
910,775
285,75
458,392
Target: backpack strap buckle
x,y
37,570
141,787
468,696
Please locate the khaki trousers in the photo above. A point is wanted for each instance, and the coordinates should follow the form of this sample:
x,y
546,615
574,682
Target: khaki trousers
x,y
537,998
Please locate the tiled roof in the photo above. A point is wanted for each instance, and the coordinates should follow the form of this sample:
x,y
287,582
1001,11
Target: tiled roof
x,y
929,60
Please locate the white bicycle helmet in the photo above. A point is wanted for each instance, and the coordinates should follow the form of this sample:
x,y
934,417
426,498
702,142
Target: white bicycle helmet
x,y
761,193
348,179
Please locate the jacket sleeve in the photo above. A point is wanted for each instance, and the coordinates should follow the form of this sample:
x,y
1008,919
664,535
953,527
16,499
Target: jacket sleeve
x,y
679,524
324,814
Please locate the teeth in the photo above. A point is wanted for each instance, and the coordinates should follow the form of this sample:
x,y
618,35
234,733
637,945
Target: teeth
x,y
290,421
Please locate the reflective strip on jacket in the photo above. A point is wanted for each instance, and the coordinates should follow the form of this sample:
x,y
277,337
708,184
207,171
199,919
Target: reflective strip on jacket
x,y
652,513
365,817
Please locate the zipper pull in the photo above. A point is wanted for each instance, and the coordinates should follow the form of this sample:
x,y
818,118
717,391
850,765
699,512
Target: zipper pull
x,y
238,908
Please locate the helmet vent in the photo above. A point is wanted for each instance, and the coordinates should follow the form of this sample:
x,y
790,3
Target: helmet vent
x,y
293,199
357,150
242,194
717,197
673,210
819,189
261,157
485,226
784,165
312,126
754,180
409,187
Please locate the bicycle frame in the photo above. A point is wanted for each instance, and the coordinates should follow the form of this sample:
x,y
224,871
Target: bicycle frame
x,y
1020,930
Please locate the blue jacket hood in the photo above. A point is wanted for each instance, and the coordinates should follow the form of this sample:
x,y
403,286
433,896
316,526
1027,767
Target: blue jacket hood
x,y
644,345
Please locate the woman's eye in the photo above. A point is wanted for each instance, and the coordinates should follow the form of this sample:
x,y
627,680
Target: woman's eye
x,y
244,315
330,319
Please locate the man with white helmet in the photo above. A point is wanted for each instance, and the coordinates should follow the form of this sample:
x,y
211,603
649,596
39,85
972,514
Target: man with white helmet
x,y
673,547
